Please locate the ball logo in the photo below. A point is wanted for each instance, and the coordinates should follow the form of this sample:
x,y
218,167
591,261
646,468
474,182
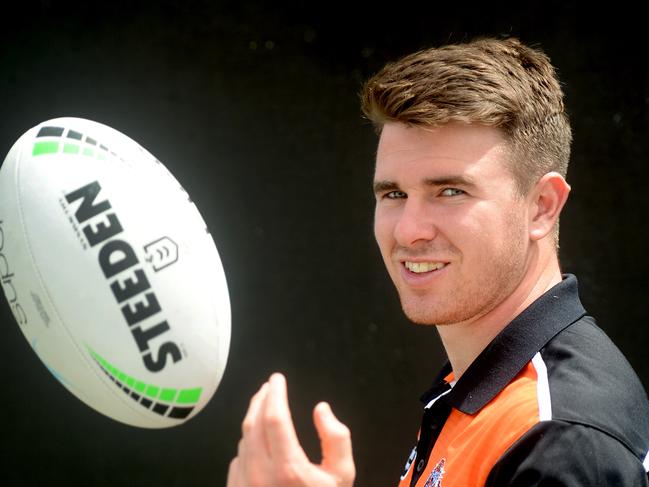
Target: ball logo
x,y
161,253
120,265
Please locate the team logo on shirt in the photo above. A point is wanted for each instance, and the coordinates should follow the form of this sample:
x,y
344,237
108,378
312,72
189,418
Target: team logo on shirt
x,y
435,477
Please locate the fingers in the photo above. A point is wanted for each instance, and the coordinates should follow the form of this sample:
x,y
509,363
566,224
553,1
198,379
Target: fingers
x,y
270,454
252,455
253,409
280,432
233,473
269,440
336,443
252,432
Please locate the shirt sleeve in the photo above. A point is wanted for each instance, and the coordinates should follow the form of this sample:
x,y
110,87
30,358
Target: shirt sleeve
x,y
556,453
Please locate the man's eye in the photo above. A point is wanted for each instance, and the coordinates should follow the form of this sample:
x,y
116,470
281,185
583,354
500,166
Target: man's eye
x,y
451,192
395,195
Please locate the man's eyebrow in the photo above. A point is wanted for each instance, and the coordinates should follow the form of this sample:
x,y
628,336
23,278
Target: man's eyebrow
x,y
458,180
385,185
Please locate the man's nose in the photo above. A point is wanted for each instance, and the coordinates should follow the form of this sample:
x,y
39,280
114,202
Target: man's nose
x,y
415,224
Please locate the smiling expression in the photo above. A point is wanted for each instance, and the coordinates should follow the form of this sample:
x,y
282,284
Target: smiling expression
x,y
449,221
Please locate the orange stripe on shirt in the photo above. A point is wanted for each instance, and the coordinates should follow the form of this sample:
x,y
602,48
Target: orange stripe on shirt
x,y
469,445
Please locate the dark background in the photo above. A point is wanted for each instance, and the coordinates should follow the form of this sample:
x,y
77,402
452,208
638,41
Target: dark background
x,y
254,107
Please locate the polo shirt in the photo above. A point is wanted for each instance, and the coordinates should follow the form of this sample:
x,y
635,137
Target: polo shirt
x,y
550,401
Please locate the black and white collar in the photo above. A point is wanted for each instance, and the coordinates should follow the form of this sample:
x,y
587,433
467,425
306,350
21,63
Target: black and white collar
x,y
511,350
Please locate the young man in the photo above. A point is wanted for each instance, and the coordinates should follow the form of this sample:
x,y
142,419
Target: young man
x,y
469,183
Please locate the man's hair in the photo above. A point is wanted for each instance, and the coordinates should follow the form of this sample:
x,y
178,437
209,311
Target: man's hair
x,y
498,83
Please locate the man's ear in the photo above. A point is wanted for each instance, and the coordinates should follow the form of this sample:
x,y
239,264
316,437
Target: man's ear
x,y
546,199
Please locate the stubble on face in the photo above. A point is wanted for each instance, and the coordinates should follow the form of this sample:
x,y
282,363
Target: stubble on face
x,y
481,234
475,288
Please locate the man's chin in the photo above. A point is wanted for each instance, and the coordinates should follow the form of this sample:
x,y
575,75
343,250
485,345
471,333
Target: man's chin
x,y
422,313
421,316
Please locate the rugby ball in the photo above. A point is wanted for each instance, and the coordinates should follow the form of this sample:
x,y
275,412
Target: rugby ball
x,y
112,274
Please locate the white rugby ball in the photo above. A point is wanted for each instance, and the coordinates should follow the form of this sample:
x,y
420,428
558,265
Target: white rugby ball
x,y
112,274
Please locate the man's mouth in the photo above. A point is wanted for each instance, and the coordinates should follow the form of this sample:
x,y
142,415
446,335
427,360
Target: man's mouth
x,y
422,267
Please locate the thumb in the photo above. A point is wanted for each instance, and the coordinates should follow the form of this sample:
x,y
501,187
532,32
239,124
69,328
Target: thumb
x,y
336,443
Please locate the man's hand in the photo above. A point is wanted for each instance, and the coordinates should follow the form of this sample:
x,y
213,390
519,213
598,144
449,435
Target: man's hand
x,y
270,454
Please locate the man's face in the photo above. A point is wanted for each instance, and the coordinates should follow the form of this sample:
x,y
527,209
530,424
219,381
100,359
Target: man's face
x,y
450,225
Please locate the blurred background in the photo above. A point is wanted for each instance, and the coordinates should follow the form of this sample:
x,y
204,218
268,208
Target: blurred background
x,y
254,107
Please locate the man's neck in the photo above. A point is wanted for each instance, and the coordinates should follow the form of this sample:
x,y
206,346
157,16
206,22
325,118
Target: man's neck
x,y
463,342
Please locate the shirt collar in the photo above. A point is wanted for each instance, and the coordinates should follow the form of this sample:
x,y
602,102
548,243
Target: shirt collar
x,y
512,349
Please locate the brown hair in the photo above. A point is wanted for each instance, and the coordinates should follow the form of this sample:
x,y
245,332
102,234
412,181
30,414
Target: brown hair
x,y
499,83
